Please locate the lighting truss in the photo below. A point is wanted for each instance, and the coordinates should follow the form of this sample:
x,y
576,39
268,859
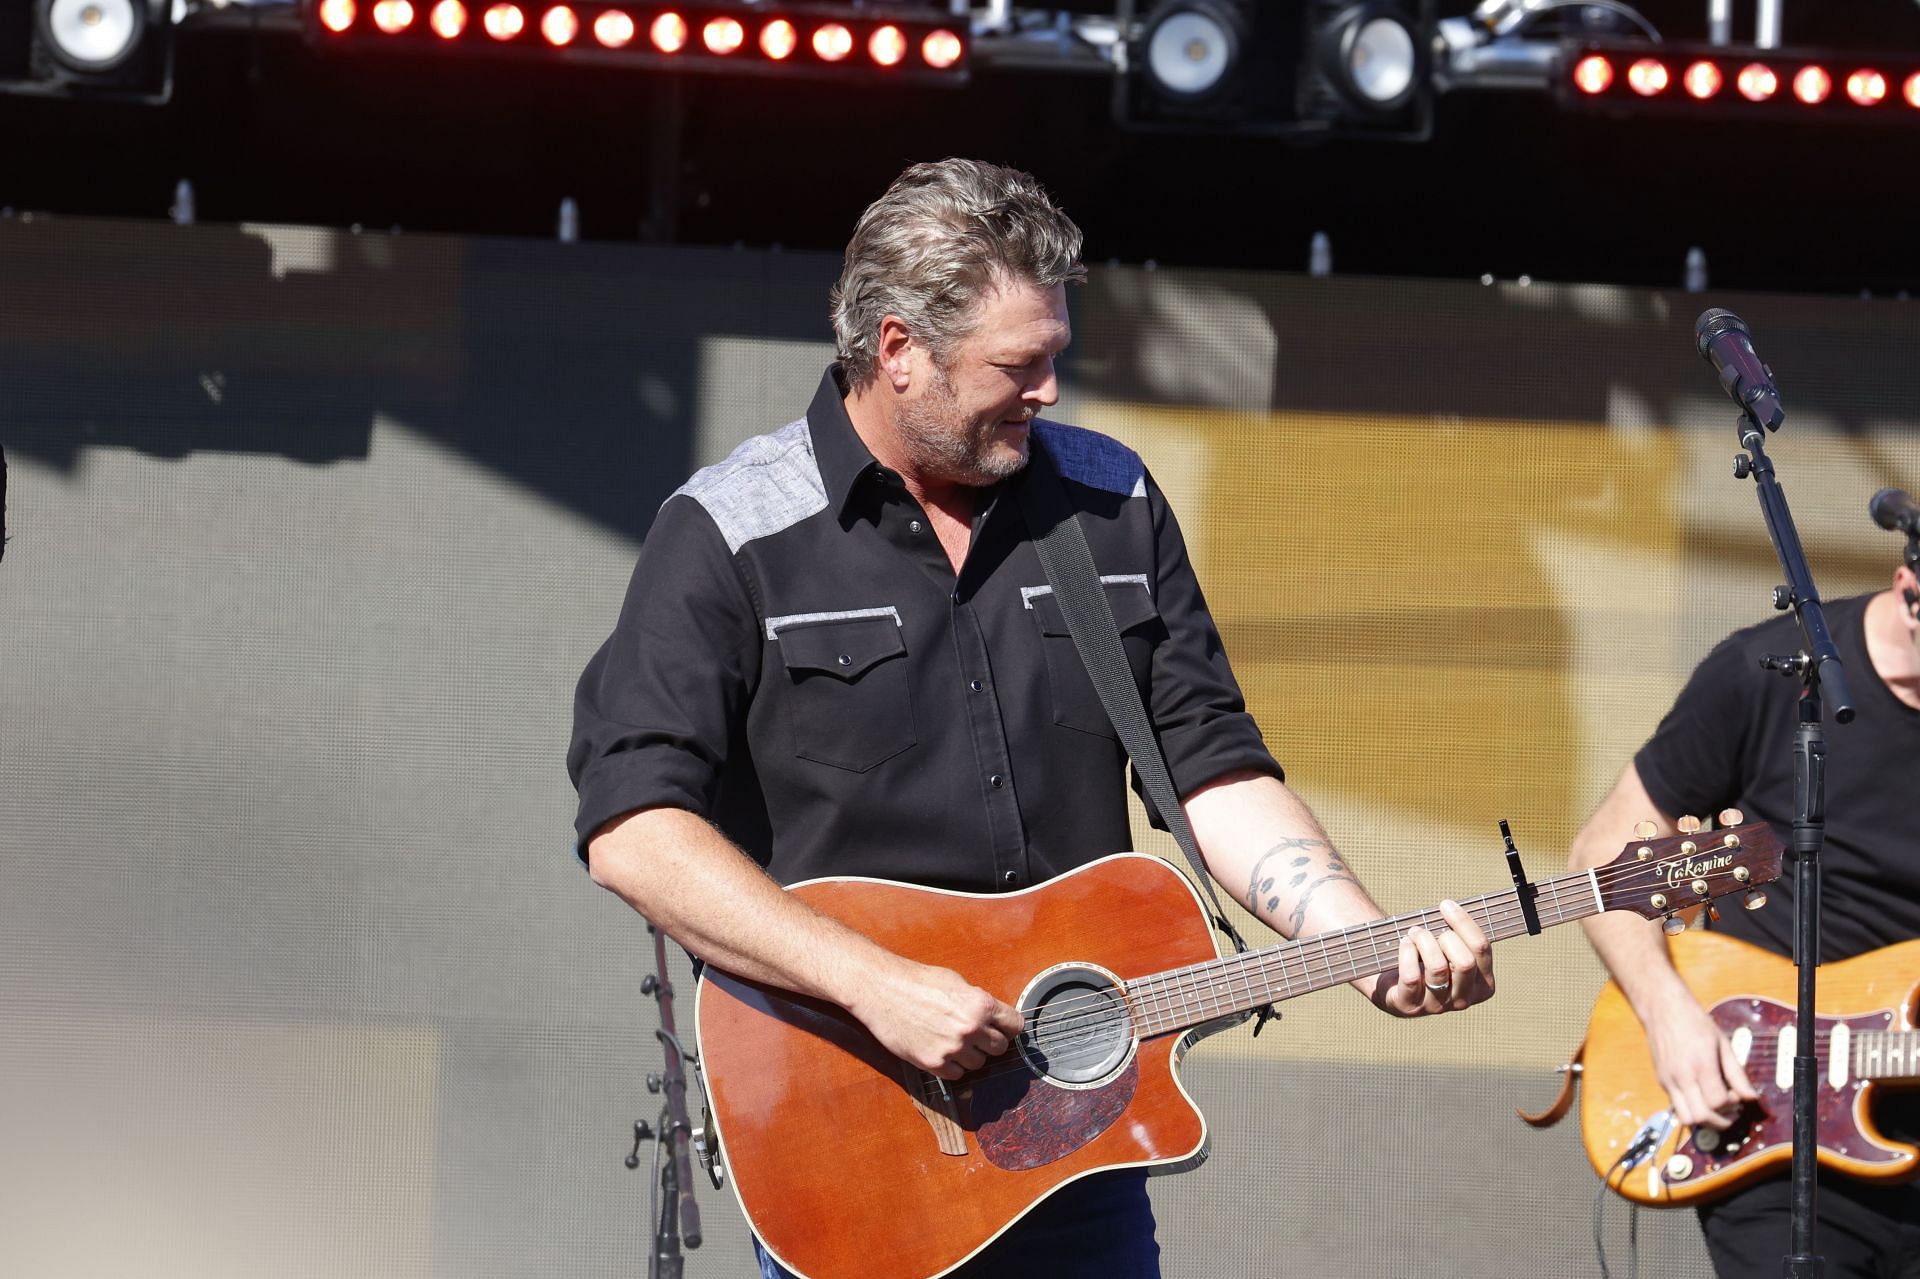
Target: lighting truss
x,y
895,44
1779,84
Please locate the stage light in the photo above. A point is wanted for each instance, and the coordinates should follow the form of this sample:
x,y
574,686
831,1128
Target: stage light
x,y
1812,85
504,21
668,33
1767,82
886,46
1867,88
1647,77
723,35
941,49
1703,80
92,35
448,19
560,25
778,39
832,42
613,29
1757,82
336,15
1190,51
393,16
1593,74
720,36
1369,55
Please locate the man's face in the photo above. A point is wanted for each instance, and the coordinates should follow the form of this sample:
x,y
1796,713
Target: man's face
x,y
967,423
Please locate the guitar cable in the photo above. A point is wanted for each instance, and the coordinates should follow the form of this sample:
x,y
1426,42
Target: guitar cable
x,y
1633,1223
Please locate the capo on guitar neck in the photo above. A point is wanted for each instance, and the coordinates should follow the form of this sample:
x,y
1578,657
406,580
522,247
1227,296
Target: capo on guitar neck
x,y
1525,891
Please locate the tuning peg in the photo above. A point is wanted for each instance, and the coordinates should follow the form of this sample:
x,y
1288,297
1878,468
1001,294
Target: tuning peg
x,y
1713,917
1689,825
1646,830
1673,925
1731,817
1753,899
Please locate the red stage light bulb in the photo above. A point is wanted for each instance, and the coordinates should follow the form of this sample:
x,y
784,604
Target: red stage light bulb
x,y
832,42
941,49
1867,88
613,29
448,19
668,33
778,39
1593,74
1812,85
1703,80
1648,77
723,35
1758,82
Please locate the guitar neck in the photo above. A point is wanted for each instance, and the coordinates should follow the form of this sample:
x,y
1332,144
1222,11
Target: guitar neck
x,y
1891,1055
1184,997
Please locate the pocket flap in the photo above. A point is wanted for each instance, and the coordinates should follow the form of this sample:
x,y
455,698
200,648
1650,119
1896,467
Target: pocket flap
x,y
846,649
1131,606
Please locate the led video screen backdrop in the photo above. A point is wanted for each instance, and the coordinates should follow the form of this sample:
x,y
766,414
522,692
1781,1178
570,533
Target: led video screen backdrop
x,y
311,533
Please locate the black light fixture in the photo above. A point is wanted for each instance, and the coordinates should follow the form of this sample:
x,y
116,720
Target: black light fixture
x,y
1329,67
1369,71
1192,48
91,48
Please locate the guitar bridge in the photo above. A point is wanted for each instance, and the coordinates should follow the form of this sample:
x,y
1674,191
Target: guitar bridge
x,y
938,1106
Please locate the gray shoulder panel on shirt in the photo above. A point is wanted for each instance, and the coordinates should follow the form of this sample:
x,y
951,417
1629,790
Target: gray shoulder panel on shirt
x,y
770,483
1095,460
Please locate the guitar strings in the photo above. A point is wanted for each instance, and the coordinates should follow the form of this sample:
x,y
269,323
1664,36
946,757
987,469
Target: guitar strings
x,y
1380,939
1080,1020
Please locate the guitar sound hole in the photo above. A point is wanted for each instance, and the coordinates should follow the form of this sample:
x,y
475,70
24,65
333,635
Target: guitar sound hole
x,y
1079,1031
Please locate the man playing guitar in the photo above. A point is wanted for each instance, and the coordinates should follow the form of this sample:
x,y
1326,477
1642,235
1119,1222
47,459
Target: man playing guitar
x,y
1727,742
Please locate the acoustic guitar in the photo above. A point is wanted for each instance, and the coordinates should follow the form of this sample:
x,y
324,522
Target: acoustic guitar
x,y
852,1164
1866,1042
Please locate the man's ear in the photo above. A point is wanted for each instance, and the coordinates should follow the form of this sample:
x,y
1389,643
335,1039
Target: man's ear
x,y
1908,585
895,352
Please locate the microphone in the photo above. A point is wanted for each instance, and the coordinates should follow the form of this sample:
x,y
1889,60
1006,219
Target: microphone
x,y
1896,511
1724,342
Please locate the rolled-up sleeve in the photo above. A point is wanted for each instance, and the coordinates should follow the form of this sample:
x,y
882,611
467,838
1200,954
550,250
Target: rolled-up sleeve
x,y
660,703
1198,710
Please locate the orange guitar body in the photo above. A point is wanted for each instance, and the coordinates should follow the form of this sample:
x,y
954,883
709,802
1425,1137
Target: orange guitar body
x,y
835,1147
1746,988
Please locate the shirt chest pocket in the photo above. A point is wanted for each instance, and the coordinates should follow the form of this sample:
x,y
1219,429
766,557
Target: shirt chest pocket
x,y
1075,703
847,698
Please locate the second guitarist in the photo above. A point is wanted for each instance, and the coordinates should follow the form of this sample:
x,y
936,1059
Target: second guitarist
x,y
1727,742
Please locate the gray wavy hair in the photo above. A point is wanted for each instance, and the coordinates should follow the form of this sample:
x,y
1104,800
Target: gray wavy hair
x,y
943,236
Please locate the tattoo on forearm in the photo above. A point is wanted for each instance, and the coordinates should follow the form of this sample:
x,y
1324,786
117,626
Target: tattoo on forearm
x,y
1264,889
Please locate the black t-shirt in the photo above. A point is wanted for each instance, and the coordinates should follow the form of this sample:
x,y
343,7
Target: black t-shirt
x,y
1728,742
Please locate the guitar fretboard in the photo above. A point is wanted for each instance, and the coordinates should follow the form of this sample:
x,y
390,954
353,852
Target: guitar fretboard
x,y
1886,1054
1183,997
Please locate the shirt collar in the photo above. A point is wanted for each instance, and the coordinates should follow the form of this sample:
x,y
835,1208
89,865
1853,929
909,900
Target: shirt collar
x,y
842,456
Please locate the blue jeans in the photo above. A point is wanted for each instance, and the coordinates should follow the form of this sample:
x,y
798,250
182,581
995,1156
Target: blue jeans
x,y
1099,1228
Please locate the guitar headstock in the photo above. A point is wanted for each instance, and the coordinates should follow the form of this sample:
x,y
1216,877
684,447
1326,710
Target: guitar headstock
x,y
1657,876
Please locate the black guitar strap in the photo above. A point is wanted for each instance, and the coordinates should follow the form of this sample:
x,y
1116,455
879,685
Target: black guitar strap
x,y
1068,560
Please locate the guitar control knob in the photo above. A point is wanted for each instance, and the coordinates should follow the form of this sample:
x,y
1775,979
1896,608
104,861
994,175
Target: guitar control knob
x,y
1754,899
1679,1168
1706,1139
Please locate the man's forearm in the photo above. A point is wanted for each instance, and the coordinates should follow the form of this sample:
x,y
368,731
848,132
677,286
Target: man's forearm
x,y
1632,948
1267,849
689,880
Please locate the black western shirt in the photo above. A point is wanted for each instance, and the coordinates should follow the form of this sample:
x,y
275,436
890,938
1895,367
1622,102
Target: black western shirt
x,y
797,661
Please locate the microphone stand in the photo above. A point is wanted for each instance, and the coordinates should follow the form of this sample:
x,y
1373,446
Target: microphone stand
x,y
678,1218
1818,666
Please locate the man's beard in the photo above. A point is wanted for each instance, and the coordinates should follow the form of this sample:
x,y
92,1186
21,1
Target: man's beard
x,y
942,443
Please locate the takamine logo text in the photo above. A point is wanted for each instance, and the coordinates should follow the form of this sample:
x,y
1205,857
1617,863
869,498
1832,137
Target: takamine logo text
x,y
1691,868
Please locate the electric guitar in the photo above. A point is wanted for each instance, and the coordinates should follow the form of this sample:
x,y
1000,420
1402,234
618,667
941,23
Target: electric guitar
x,y
852,1164
1631,1137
